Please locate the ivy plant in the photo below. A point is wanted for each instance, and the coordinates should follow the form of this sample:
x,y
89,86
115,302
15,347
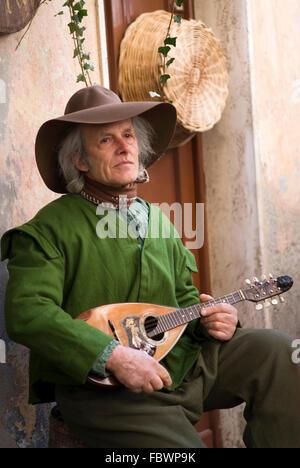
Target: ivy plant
x,y
77,12
164,50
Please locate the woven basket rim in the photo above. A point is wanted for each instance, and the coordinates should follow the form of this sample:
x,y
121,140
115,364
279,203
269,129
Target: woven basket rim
x,y
198,87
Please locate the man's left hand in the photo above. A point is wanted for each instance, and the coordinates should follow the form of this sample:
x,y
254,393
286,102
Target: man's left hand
x,y
220,320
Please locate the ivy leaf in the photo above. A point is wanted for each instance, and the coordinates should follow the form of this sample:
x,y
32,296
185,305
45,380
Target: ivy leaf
x,y
80,31
177,18
170,61
165,78
171,41
79,5
80,78
59,13
179,2
88,66
164,50
81,14
72,27
75,28
76,52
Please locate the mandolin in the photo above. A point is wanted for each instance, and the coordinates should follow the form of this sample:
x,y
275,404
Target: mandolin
x,y
156,329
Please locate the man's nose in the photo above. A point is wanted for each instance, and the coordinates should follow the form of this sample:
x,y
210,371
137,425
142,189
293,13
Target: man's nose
x,y
122,145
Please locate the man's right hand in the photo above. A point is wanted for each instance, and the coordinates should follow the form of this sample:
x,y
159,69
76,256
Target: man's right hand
x,y
137,370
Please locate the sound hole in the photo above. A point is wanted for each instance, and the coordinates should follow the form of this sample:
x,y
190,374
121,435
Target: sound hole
x,y
150,324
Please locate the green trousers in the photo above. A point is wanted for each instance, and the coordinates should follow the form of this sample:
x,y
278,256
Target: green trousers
x,y
254,367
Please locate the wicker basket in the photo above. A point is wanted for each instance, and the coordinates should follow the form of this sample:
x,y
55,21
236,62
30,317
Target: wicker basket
x,y
198,86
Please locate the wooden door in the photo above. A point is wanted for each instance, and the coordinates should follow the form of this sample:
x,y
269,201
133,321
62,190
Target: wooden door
x,y
177,176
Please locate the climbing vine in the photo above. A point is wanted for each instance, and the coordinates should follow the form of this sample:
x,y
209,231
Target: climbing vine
x,y
165,49
77,12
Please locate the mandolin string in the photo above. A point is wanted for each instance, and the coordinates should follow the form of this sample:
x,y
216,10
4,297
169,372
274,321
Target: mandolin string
x,y
173,319
155,322
151,324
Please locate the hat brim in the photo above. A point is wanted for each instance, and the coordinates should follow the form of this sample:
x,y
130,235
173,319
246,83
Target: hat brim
x,y
162,117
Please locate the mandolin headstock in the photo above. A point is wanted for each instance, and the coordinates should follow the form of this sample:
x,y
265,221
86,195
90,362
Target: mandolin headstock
x,y
265,289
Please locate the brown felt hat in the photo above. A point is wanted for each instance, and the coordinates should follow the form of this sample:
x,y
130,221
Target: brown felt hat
x,y
97,105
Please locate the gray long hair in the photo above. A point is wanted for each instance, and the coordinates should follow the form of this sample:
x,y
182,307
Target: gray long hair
x,y
73,143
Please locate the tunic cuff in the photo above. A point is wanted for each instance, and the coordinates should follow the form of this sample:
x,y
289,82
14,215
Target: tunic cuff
x,y
100,362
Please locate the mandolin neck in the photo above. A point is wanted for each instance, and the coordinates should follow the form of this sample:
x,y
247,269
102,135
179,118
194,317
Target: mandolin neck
x,y
187,314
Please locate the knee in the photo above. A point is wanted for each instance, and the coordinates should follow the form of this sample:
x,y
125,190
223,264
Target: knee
x,y
271,342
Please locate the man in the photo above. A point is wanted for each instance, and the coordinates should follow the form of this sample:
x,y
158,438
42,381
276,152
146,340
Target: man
x,y
61,264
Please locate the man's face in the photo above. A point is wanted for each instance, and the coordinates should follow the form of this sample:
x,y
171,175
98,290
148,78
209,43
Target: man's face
x,y
113,153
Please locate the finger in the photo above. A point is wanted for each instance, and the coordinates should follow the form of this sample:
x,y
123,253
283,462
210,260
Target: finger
x,y
219,317
221,331
148,387
219,326
214,317
220,335
136,389
205,297
156,383
223,308
165,376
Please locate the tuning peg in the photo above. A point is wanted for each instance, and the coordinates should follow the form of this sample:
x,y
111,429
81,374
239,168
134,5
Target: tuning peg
x,y
255,279
259,306
270,276
274,301
267,303
247,281
281,298
263,278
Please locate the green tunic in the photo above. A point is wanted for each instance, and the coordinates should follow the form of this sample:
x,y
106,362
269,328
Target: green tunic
x,y
59,267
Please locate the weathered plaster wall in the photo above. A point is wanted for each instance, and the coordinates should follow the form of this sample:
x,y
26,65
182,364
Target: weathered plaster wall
x,y
36,80
230,173
251,160
229,160
275,69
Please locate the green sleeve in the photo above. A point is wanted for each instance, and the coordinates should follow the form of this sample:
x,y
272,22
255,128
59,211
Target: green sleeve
x,y
34,311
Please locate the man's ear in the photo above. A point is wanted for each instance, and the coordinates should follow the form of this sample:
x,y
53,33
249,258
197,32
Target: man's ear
x,y
79,162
